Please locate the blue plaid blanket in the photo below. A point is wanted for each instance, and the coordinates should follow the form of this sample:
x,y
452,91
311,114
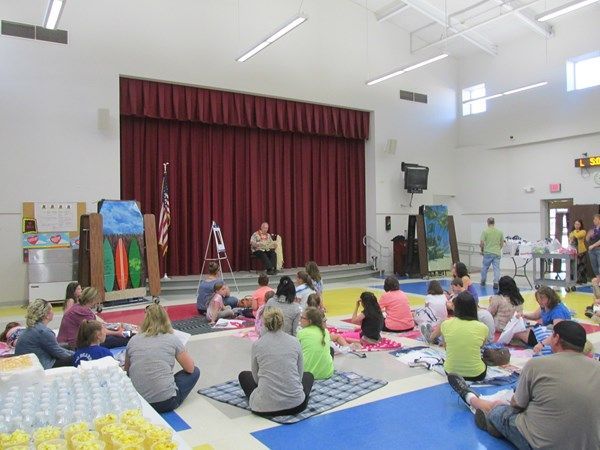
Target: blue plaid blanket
x,y
326,394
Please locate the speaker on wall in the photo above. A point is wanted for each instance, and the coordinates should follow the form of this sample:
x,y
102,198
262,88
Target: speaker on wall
x,y
103,119
390,146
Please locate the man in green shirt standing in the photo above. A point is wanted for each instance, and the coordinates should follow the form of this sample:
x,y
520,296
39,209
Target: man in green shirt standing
x,y
491,242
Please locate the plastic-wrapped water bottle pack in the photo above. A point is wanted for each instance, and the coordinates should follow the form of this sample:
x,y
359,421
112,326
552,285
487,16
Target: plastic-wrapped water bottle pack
x,y
76,396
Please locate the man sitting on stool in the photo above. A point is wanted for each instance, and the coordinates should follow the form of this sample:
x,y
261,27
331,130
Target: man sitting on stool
x,y
263,247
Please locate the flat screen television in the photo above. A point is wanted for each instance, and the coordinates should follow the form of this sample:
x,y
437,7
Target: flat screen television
x,y
415,178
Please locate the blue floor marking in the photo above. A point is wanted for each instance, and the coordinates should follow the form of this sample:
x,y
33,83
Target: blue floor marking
x,y
428,418
175,421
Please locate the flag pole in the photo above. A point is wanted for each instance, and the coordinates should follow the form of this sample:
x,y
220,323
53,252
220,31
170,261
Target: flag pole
x,y
164,226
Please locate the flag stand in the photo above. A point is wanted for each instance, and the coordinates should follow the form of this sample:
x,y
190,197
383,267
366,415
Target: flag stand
x,y
215,232
164,221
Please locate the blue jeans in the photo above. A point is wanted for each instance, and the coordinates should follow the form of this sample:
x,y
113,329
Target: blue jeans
x,y
185,382
503,418
490,259
595,260
230,301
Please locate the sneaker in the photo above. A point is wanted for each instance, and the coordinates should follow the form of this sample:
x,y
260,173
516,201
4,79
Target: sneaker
x,y
426,331
495,286
482,284
484,424
461,387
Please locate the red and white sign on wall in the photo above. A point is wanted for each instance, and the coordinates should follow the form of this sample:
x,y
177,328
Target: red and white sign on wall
x,y
555,187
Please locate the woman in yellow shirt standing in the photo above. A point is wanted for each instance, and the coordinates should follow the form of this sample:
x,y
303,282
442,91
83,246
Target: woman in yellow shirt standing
x,y
577,239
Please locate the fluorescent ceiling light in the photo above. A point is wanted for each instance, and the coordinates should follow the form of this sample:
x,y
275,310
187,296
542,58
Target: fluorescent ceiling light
x,y
53,13
512,91
564,9
406,69
525,88
289,26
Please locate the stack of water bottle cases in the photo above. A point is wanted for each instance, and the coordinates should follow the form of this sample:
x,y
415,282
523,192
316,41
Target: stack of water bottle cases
x,y
94,409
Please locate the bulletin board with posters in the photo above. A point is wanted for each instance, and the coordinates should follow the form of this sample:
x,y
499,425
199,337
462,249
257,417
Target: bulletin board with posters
x,y
51,224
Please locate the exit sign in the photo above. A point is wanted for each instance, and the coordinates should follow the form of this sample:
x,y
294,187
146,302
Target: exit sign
x,y
588,161
554,187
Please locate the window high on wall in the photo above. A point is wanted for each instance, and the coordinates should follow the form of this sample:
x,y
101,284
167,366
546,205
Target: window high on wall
x,y
583,71
470,103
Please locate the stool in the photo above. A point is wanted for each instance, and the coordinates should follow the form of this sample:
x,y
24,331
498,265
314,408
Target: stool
x,y
256,260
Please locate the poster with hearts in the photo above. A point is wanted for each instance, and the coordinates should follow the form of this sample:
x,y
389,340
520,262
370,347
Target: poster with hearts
x,y
46,240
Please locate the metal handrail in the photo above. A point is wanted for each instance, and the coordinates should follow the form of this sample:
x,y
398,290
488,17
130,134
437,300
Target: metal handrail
x,y
467,248
371,243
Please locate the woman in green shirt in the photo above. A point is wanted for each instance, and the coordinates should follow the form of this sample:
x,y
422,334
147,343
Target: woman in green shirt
x,y
464,336
316,344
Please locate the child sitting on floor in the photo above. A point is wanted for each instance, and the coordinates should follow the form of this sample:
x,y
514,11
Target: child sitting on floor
x,y
89,337
315,341
258,324
314,301
370,321
11,333
216,309
258,296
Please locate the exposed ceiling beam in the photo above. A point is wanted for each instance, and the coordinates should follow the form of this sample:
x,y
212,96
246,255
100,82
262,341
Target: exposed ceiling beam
x,y
541,28
468,8
390,10
474,27
453,25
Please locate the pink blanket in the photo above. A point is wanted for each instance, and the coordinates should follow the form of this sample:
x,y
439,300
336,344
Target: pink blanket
x,y
413,334
383,344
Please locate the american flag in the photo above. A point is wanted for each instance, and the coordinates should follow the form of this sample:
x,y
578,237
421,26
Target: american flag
x,y
165,216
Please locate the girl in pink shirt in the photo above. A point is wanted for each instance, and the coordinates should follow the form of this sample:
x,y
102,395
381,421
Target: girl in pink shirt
x,y
216,308
394,303
258,296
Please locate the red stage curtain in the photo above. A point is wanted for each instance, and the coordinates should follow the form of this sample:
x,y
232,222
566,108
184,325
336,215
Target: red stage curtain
x,y
154,100
310,188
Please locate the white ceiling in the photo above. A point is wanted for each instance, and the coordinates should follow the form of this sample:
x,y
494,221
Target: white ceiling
x,y
430,22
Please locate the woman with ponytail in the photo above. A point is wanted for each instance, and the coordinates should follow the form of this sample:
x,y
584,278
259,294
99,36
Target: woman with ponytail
x,y
304,287
277,385
316,342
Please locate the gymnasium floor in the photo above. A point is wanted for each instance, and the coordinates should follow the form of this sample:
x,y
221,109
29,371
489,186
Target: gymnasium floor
x,y
415,408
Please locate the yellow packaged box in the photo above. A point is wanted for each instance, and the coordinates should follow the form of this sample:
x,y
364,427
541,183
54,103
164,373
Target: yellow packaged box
x,y
23,370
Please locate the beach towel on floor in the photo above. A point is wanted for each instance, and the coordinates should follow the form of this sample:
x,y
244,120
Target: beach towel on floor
x,y
588,327
506,375
412,334
541,332
421,356
325,394
200,325
383,344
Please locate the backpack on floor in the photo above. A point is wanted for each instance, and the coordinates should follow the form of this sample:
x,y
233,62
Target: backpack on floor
x,y
424,315
495,355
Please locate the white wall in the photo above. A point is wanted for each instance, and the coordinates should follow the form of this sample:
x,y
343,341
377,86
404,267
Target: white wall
x,y
53,150
550,128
